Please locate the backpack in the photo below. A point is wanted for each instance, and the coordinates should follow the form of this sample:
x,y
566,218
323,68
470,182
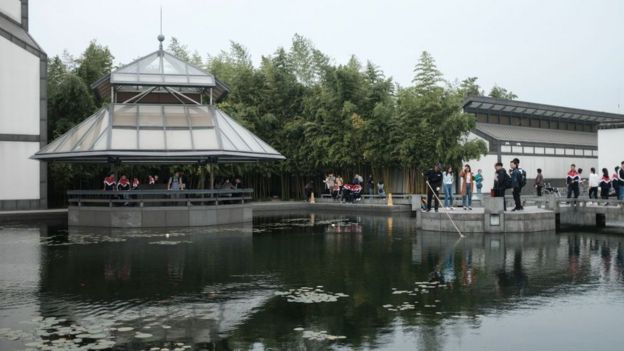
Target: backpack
x,y
507,181
523,178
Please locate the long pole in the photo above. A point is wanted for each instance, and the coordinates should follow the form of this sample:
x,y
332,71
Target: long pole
x,y
449,216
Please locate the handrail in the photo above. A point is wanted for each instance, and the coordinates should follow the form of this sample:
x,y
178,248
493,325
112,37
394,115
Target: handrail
x,y
152,197
159,192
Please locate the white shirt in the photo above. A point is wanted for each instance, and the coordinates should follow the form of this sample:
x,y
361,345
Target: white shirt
x,y
468,178
594,180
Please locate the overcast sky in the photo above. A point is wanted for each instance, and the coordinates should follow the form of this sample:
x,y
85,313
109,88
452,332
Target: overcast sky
x,y
560,52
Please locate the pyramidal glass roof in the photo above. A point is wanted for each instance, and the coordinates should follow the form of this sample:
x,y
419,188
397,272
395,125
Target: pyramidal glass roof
x,y
148,133
161,68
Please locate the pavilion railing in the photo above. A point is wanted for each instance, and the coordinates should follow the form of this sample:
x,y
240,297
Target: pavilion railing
x,y
155,198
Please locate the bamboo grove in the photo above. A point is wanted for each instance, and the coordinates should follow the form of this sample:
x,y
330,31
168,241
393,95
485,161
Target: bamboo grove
x,y
323,116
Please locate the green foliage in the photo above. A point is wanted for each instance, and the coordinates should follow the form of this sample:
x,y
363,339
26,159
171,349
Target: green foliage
x,y
323,117
94,63
502,93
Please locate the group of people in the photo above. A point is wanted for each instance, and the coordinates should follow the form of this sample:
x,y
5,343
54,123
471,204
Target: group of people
x,y
111,183
436,179
334,185
516,179
596,183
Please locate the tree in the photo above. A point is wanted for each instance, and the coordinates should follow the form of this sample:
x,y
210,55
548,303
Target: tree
x,y
469,87
94,63
427,77
502,93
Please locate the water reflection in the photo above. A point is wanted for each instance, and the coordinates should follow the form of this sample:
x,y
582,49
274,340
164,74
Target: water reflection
x,y
215,288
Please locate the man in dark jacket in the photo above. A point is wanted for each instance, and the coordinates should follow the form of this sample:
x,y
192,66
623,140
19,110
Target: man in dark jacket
x,y
434,178
501,178
516,183
621,174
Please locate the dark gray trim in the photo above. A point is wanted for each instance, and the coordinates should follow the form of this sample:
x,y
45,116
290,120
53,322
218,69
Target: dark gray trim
x,y
12,30
26,204
20,137
520,108
619,125
25,15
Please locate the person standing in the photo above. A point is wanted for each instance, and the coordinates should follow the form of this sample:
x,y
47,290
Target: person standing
x,y
308,190
594,182
174,182
501,182
615,182
467,187
448,178
434,180
479,181
340,185
573,180
621,181
370,184
539,182
330,182
516,183
605,184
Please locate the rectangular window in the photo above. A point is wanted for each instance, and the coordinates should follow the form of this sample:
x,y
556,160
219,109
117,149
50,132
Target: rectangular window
x,y
505,148
517,149
569,151
549,150
544,124
528,149
554,125
559,151
587,152
578,152
482,118
563,126
535,123
525,122
539,150
595,152
571,126
587,127
515,121
504,120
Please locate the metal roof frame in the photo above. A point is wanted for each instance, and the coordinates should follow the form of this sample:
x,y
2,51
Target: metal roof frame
x,y
485,104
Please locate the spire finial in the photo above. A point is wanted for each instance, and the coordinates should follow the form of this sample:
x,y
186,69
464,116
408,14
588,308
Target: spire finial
x,y
161,37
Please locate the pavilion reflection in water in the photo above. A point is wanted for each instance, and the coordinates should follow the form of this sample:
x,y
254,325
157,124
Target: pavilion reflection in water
x,y
221,287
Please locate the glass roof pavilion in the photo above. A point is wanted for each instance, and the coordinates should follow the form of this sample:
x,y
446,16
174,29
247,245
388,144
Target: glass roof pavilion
x,y
157,116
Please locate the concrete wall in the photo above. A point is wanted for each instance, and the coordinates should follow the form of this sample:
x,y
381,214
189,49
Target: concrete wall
x,y
137,217
19,176
13,9
23,115
19,90
610,148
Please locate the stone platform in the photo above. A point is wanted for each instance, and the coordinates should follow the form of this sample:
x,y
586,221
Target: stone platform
x,y
149,217
490,219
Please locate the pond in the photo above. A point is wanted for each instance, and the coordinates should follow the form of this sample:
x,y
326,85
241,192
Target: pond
x,y
309,282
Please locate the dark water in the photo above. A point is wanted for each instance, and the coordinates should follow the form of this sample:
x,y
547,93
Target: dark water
x,y
228,288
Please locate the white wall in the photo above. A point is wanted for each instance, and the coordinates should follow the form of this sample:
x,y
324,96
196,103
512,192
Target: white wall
x,y
19,90
19,175
486,165
12,8
553,167
610,150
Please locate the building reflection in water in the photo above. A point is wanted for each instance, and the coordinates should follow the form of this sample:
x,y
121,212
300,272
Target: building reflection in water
x,y
216,286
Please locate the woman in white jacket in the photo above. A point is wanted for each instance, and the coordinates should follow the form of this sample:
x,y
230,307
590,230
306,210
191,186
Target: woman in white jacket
x,y
448,178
